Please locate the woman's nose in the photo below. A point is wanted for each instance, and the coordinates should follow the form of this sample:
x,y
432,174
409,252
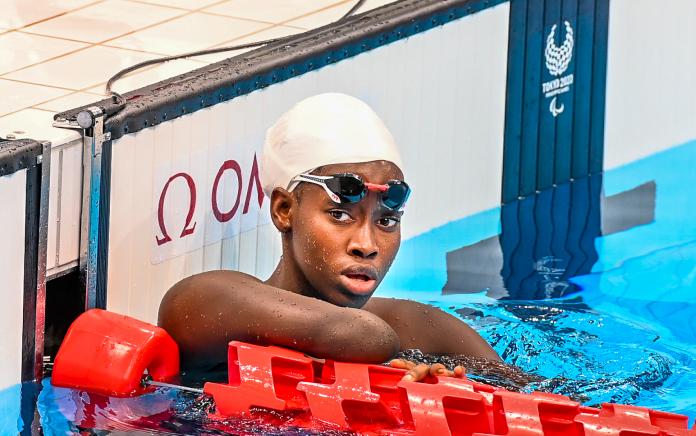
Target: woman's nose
x,y
363,243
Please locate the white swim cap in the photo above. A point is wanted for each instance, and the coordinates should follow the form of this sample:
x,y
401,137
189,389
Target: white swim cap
x,y
324,129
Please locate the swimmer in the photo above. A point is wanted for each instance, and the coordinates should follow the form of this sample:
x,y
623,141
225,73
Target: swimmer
x,y
333,174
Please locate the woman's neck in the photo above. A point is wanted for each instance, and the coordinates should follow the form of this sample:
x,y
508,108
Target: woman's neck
x,y
290,278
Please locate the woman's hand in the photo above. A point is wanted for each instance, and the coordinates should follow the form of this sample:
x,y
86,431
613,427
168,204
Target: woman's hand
x,y
419,371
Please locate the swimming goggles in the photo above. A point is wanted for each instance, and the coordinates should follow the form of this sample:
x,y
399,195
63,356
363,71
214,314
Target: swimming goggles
x,y
350,188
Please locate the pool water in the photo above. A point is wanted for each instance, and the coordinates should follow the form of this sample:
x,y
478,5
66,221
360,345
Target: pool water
x,y
590,285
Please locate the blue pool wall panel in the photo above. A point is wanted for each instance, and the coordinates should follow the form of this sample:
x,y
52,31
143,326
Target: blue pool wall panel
x,y
555,97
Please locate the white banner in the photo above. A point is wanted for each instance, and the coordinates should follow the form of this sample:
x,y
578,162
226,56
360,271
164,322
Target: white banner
x,y
651,91
13,192
203,199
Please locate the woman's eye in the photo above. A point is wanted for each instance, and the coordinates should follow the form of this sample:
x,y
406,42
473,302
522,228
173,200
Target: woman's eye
x,y
339,215
389,221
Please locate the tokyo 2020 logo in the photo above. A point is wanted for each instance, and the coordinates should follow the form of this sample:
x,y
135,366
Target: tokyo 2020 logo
x,y
557,59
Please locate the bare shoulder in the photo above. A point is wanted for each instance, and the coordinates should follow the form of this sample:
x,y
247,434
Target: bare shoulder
x,y
387,308
204,286
213,278
429,328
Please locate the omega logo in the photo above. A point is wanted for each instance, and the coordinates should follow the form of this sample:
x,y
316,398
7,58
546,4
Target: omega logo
x,y
221,216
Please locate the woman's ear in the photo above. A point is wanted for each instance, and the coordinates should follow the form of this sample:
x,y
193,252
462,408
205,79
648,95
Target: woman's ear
x,y
282,203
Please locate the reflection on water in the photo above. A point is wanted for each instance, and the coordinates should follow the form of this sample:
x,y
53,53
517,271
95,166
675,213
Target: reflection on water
x,y
546,239
162,412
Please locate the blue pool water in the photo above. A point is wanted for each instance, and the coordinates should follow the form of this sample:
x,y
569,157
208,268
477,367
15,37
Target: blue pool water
x,y
589,285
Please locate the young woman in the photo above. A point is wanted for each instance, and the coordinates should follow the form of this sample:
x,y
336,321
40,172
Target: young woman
x,y
333,174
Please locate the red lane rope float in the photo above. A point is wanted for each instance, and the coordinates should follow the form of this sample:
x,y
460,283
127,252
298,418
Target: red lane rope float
x,y
369,399
107,353
355,396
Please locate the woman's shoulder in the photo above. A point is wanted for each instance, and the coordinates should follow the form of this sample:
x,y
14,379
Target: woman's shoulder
x,y
383,305
223,277
192,290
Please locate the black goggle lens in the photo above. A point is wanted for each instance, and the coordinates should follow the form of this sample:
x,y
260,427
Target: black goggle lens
x,y
396,195
349,188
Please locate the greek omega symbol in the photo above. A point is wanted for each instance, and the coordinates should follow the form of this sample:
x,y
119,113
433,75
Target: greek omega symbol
x,y
557,60
188,228
232,166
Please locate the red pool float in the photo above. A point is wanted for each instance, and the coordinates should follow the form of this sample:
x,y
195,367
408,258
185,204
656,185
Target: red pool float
x,y
107,353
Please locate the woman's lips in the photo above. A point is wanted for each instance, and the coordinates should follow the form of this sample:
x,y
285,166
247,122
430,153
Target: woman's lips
x,y
359,280
358,286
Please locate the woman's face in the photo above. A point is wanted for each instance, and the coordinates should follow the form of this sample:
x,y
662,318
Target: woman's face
x,y
343,251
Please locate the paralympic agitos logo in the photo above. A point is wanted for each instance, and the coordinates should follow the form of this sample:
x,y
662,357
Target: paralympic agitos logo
x,y
557,60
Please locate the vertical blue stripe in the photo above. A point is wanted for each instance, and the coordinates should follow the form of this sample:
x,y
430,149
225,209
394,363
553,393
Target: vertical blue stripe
x,y
564,123
30,393
544,238
525,271
560,209
519,259
532,83
513,105
579,204
509,237
103,230
599,81
593,224
547,122
583,84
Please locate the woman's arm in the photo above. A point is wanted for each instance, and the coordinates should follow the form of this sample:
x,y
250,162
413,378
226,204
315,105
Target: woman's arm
x,y
204,312
429,329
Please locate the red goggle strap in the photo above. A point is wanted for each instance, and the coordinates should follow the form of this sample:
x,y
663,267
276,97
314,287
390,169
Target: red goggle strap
x,y
375,187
